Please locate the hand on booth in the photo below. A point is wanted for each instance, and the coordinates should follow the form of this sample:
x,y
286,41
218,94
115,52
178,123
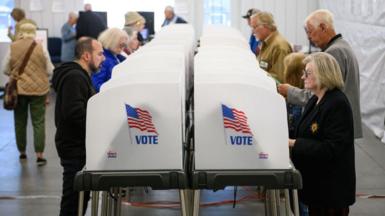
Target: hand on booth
x,y
283,89
291,142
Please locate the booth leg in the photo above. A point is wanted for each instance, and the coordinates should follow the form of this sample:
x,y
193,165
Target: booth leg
x,y
196,202
267,201
104,209
295,200
80,205
273,204
119,202
287,203
278,201
190,201
183,203
116,201
109,204
94,203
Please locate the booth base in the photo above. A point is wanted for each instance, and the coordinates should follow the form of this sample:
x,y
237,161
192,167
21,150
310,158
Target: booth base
x,y
275,183
271,179
111,182
105,180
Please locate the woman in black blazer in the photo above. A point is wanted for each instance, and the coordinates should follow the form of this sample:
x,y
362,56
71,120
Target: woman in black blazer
x,y
323,150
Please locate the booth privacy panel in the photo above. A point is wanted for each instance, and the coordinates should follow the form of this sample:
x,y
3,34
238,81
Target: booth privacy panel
x,y
135,127
221,148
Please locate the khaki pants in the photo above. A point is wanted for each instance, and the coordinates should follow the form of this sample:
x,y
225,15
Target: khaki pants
x,y
36,105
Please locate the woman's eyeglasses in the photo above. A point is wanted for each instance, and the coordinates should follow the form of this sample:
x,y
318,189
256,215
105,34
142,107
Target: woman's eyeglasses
x,y
306,73
123,45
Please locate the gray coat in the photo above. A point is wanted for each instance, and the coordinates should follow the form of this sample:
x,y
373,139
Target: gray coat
x,y
343,53
68,43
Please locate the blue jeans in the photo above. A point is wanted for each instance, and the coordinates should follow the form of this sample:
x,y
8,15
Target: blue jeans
x,y
303,209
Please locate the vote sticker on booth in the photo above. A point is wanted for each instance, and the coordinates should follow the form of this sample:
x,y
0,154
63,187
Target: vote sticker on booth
x,y
237,130
141,126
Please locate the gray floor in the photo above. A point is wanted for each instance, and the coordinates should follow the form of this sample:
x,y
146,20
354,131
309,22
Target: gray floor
x,y
26,189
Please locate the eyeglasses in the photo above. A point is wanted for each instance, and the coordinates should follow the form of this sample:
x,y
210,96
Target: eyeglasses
x,y
256,26
122,45
306,73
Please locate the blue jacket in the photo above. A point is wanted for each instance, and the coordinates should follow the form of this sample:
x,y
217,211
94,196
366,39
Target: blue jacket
x,y
106,69
253,42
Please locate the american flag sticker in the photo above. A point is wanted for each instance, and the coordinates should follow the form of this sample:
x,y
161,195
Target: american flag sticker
x,y
142,128
237,130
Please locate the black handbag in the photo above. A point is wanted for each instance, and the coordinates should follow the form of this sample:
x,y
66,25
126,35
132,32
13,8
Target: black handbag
x,y
10,91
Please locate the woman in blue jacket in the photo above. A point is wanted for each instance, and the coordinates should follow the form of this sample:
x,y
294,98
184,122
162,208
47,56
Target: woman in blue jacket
x,y
114,40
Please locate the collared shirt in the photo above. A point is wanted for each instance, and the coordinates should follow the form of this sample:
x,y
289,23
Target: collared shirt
x,y
331,42
274,49
167,22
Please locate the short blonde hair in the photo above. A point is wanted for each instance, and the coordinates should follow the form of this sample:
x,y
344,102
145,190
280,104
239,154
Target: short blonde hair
x,y
266,19
320,16
27,30
326,70
110,38
293,64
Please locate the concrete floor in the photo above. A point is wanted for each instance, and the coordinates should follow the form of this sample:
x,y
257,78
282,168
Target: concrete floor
x,y
26,189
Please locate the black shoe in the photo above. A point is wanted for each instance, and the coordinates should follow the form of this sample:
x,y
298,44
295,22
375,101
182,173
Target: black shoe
x,y
41,161
23,157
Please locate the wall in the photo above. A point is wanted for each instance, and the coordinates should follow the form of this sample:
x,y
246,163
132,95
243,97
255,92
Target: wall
x,y
3,49
46,18
288,14
362,25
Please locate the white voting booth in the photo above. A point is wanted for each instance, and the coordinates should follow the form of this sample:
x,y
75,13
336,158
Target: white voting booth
x,y
240,121
171,120
249,91
151,80
120,145
135,124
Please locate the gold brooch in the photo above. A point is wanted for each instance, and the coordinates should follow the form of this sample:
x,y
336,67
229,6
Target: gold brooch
x,y
314,127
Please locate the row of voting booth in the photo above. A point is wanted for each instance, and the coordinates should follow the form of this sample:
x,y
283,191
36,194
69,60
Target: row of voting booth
x,y
174,116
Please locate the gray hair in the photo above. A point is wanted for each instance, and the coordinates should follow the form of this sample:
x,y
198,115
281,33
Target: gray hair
x,y
169,8
321,16
265,18
110,38
73,14
326,70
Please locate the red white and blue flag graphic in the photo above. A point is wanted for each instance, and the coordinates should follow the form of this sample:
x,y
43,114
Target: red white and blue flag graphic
x,y
236,127
140,119
141,126
235,119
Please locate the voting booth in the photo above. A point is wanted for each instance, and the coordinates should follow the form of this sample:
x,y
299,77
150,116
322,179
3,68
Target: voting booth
x,y
240,134
170,120
135,124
